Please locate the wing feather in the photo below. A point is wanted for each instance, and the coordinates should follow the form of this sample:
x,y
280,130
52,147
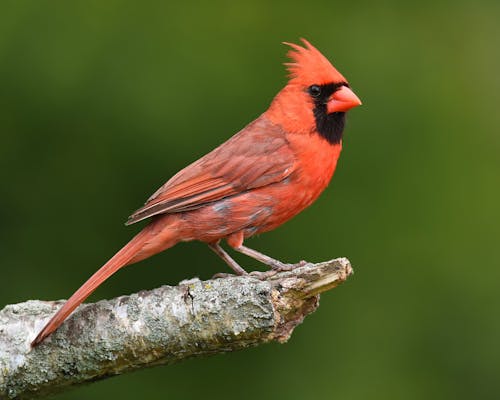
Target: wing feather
x,y
257,156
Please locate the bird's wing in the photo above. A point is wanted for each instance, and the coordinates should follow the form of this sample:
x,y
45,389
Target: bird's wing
x,y
257,156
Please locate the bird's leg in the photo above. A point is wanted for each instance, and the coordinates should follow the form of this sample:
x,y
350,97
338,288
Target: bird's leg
x,y
227,258
273,263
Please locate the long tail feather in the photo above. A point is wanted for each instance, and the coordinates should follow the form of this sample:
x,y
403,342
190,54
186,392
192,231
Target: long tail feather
x,y
123,257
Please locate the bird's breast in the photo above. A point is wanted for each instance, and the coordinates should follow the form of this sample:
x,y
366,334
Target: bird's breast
x,y
316,160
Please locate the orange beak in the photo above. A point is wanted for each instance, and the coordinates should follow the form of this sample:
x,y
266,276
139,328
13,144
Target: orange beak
x,y
342,100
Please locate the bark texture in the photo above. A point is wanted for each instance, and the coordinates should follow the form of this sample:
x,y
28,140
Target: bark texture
x,y
159,326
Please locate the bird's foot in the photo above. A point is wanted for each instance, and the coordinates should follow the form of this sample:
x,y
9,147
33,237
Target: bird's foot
x,y
263,275
278,266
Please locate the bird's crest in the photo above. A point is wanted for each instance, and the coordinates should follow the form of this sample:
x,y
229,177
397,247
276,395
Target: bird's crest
x,y
309,66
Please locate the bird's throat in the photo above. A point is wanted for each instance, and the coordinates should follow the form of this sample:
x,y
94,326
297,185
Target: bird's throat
x,y
330,126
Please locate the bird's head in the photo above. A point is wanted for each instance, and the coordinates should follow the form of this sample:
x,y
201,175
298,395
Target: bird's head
x,y
316,97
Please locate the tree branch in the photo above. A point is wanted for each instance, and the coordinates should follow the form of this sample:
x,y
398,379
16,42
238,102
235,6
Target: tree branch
x,y
160,326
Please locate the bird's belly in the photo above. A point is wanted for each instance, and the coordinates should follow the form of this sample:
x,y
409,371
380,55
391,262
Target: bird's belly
x,y
288,200
252,212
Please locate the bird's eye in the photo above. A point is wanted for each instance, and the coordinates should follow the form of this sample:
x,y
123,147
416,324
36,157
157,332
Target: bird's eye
x,y
314,91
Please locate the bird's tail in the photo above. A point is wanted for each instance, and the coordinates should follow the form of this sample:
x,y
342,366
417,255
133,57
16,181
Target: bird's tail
x,y
135,250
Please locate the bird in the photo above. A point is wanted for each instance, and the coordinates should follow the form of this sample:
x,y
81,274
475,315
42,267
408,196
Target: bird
x,y
258,179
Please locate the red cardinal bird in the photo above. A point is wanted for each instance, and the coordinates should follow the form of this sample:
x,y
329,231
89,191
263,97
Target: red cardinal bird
x,y
260,178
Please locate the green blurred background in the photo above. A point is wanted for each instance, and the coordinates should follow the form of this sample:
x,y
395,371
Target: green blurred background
x,y
103,101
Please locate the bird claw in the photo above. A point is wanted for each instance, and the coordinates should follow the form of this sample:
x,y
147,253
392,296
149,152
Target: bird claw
x,y
281,267
288,267
254,274
263,275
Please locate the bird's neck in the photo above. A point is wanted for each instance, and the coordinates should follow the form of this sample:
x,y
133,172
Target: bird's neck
x,y
289,112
